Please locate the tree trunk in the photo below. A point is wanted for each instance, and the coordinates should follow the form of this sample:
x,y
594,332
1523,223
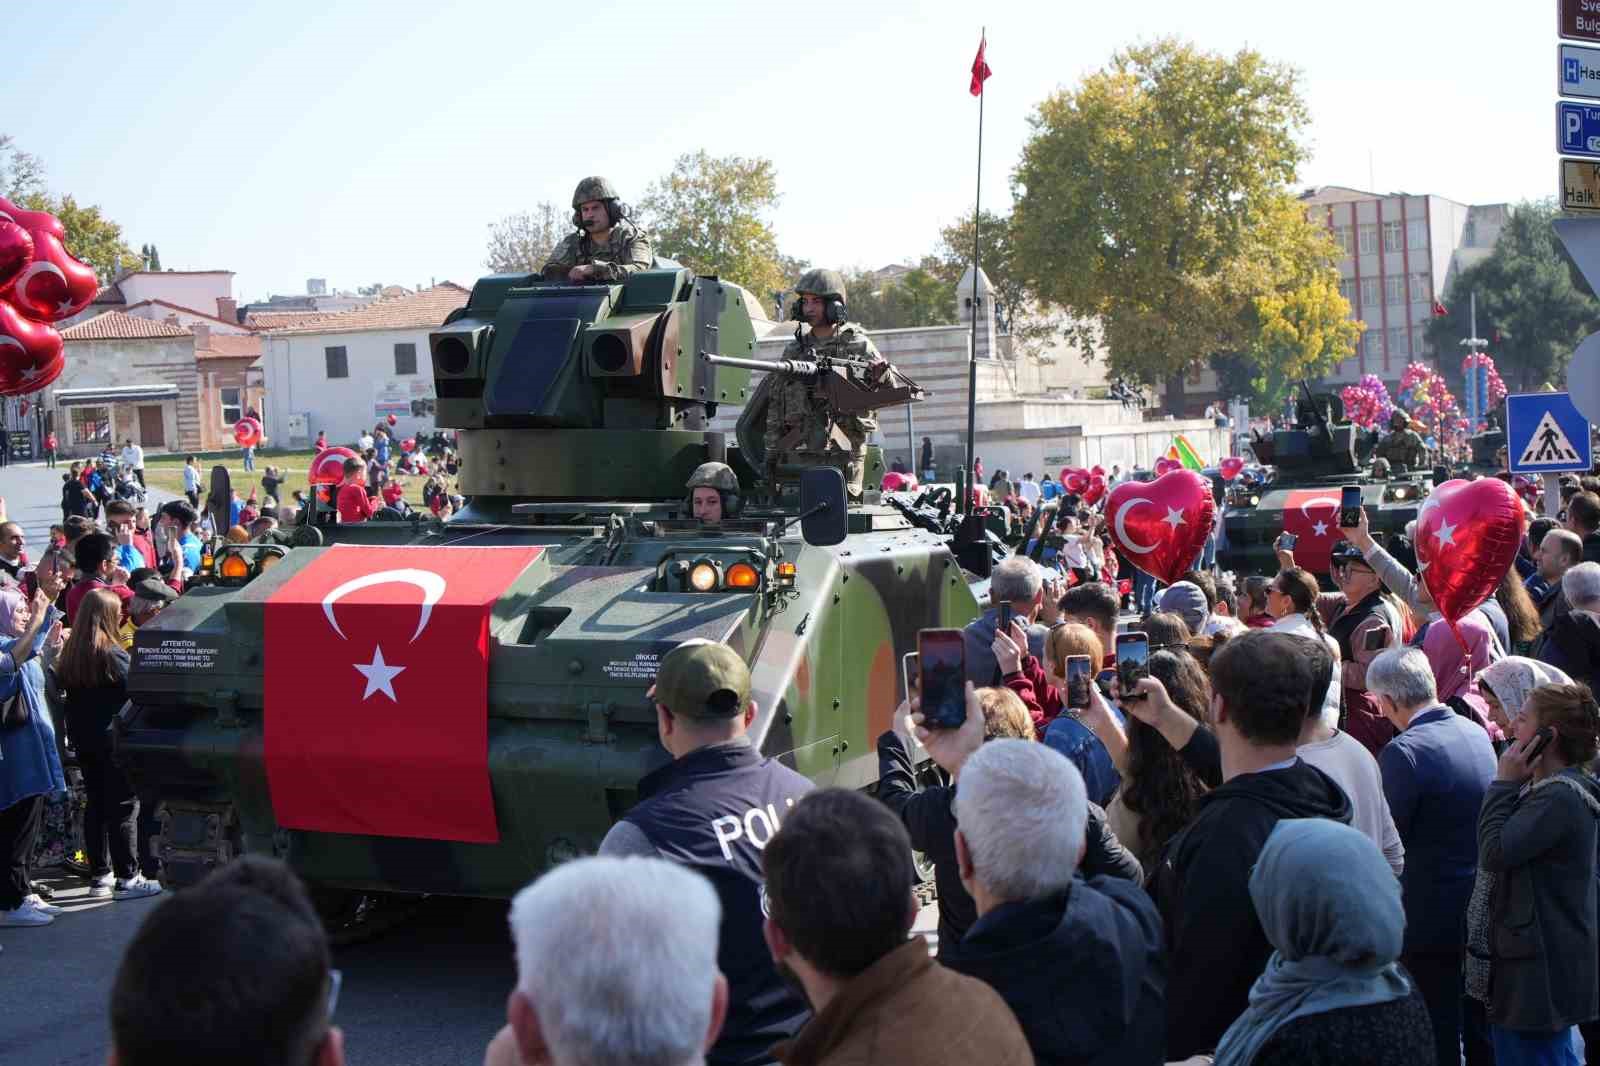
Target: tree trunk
x,y
1175,394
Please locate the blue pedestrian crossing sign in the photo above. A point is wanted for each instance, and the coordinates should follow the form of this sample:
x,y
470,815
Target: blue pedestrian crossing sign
x,y
1545,434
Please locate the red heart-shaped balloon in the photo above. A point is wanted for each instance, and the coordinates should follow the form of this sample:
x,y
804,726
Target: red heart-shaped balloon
x,y
1097,471
247,432
54,285
1468,533
328,467
1161,526
42,377
16,252
410,445
1076,481
1095,489
392,420
27,351
1231,467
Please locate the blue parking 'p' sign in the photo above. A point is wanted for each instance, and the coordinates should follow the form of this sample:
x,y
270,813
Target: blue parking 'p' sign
x,y
1545,434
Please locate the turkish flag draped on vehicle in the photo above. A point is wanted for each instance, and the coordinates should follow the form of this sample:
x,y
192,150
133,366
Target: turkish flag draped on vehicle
x,y
377,691
1313,516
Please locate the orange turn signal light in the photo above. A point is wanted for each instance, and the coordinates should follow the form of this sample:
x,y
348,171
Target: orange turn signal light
x,y
742,576
234,566
786,572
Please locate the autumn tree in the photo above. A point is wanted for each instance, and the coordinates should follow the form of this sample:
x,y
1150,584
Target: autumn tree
x,y
91,236
1534,306
711,214
1152,207
522,243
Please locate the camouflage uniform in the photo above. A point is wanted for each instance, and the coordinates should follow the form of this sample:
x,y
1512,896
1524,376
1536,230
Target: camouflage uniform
x,y
1403,446
626,251
796,414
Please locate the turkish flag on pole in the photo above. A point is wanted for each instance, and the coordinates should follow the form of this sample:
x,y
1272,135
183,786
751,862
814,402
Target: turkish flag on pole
x,y
980,69
1313,516
1439,310
377,691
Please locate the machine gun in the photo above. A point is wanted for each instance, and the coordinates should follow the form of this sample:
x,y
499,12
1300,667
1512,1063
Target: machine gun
x,y
842,379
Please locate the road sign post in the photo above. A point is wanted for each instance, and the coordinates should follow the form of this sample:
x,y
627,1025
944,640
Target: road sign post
x,y
1546,434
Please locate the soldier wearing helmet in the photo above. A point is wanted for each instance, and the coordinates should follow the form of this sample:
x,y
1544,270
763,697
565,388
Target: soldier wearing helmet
x,y
713,493
801,428
1401,446
607,247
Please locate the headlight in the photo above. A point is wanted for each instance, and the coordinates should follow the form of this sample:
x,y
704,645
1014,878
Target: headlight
x,y
703,577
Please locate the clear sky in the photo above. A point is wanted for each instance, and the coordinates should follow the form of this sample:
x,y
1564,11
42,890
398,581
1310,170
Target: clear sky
x,y
367,142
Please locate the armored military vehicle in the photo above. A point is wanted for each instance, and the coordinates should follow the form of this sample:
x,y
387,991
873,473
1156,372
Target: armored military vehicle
x,y
1314,460
582,411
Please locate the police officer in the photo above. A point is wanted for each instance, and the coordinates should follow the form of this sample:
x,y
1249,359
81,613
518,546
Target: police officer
x,y
802,430
607,247
713,493
713,808
1401,445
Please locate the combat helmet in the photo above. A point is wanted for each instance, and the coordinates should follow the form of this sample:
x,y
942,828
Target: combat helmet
x,y
821,282
719,476
1398,420
593,187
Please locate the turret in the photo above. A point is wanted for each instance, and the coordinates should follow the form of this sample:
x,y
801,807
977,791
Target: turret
x,y
566,392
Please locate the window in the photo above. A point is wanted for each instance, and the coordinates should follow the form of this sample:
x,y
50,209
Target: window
x,y
91,425
1399,343
1393,237
1367,233
1417,233
338,362
1372,344
1394,289
405,359
232,406
1419,288
1347,289
1370,293
1344,239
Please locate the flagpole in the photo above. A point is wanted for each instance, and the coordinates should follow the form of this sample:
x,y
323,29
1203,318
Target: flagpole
x,y
972,354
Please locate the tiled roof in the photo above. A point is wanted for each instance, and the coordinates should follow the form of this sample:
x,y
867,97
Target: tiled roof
x,y
170,306
230,346
418,310
116,326
274,320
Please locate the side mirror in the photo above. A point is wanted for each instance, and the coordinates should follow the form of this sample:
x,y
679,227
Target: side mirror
x,y
823,517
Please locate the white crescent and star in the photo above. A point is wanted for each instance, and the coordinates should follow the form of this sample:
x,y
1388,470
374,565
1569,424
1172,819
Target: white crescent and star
x,y
34,269
1446,532
1122,529
379,674
1318,527
4,339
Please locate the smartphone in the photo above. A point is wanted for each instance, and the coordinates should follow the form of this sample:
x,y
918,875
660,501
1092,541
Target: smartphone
x,y
1541,740
942,657
1287,541
909,672
1005,618
1350,506
1133,662
1080,673
1377,639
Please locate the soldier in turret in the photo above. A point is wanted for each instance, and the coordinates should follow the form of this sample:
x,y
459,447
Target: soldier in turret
x,y
713,493
1401,446
607,247
802,430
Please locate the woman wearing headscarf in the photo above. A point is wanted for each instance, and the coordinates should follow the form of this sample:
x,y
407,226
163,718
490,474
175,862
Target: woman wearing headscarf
x,y
1537,834
30,766
1455,672
1332,991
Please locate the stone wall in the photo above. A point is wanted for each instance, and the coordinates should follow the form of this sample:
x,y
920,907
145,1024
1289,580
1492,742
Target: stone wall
x,y
110,363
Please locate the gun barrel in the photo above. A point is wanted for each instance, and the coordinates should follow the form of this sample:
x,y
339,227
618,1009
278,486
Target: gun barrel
x,y
788,366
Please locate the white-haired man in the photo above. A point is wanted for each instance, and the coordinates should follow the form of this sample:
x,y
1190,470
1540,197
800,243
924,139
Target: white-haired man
x,y
1572,643
1050,942
1435,773
1017,583
602,979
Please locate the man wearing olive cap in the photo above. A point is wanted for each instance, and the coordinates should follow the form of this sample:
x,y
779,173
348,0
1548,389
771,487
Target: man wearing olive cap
x,y
713,808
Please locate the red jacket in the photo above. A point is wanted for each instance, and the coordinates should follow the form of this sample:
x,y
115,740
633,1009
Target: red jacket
x,y
1038,694
353,504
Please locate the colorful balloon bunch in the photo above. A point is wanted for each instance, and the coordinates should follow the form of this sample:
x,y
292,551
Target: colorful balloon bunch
x,y
1368,404
1424,395
40,283
1496,387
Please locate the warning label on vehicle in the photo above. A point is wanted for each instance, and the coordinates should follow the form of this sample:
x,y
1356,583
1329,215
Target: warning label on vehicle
x,y
176,654
641,667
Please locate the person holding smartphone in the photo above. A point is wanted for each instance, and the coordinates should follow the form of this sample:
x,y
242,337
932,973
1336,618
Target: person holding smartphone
x,y
1537,834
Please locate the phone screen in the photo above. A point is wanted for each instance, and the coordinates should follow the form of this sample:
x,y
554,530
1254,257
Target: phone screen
x,y
1350,506
1378,638
1005,618
1080,673
942,655
909,671
1133,660
1287,541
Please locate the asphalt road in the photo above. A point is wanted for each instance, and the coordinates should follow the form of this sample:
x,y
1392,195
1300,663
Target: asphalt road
x,y
33,498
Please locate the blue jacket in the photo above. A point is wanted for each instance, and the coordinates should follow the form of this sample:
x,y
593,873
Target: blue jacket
x,y
29,762
982,667
1086,751
1084,971
1434,776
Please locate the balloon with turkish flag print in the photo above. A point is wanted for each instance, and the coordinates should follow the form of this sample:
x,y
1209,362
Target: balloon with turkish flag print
x,y
1468,534
1075,480
408,445
1095,490
391,420
1231,467
1161,526
247,432
328,466
31,353
1166,466
53,285
16,252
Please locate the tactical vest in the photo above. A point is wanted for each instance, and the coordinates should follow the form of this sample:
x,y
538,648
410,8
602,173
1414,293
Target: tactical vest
x,y
714,810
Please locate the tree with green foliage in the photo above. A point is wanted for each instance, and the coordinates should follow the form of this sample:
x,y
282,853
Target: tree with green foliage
x,y
1152,206
522,243
1018,312
155,258
711,214
919,297
1534,306
21,173
91,236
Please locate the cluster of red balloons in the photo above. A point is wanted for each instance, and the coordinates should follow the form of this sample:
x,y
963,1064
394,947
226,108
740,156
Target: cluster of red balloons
x,y
247,432
1088,484
40,283
408,445
894,481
